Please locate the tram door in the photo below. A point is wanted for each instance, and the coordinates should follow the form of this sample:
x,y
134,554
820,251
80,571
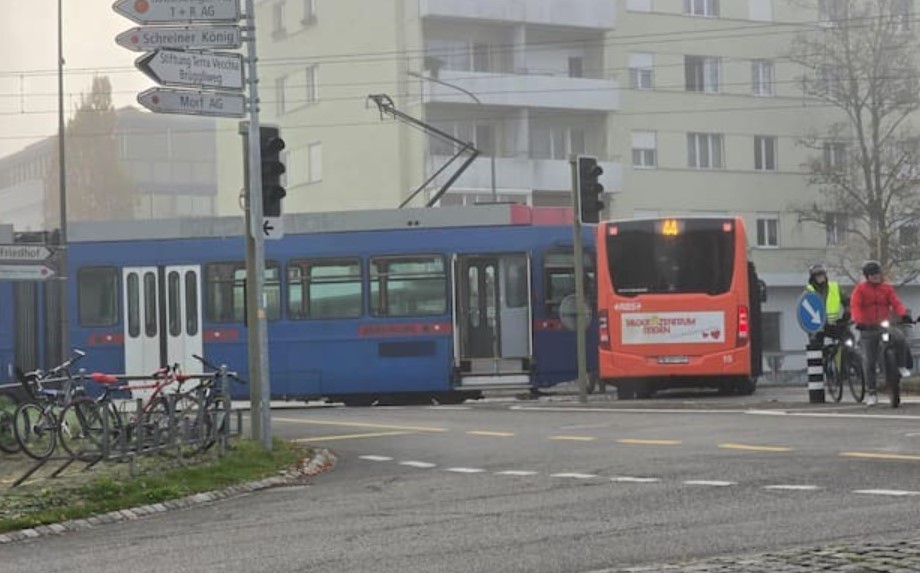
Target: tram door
x,y
162,318
492,317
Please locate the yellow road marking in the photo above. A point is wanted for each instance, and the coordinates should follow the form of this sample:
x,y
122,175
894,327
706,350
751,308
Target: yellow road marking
x,y
360,425
875,456
755,448
574,438
635,442
351,436
487,433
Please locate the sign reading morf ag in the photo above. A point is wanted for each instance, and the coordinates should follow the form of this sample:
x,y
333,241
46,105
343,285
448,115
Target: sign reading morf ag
x,y
169,11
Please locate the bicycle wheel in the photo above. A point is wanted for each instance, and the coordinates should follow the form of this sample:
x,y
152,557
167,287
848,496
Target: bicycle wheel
x,y
856,377
833,380
8,404
36,431
80,428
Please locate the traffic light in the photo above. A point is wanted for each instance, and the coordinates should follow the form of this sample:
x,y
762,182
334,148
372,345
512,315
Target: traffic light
x,y
590,190
271,144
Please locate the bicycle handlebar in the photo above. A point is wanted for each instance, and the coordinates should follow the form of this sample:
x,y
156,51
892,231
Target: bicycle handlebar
x,y
209,364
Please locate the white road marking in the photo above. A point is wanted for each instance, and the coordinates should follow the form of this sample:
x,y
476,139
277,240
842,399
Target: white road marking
x,y
376,458
464,470
714,483
895,492
573,475
423,465
629,479
515,473
792,487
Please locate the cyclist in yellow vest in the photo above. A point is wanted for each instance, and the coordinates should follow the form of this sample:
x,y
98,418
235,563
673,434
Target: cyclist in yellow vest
x,y
836,301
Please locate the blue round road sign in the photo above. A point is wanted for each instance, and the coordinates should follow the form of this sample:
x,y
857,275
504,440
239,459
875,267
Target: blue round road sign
x,y
811,312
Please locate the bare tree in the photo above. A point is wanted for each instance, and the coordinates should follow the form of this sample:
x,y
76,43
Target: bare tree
x,y
861,60
97,188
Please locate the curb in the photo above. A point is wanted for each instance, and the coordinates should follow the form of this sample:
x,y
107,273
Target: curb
x,y
322,461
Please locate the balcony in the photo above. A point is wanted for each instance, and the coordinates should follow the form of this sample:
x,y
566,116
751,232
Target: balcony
x,y
530,91
589,14
512,173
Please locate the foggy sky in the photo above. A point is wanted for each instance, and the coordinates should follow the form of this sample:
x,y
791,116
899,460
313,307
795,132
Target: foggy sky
x,y
28,64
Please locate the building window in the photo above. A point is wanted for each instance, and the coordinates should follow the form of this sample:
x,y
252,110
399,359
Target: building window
x,y
909,236
312,89
702,73
325,289
764,153
641,71
835,155
459,55
832,11
768,231
835,225
576,67
704,150
901,14
408,286
278,19
97,291
309,12
555,142
280,98
644,149
708,8
762,78
315,157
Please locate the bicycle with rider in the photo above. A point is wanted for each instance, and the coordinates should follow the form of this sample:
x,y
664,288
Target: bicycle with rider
x,y
836,302
873,302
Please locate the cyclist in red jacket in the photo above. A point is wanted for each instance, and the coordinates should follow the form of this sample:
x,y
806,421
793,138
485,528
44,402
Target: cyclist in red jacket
x,y
873,301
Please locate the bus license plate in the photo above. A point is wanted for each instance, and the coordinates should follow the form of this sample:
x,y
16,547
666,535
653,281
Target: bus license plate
x,y
673,359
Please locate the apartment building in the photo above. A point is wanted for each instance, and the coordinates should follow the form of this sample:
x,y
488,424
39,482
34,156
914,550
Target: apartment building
x,y
692,107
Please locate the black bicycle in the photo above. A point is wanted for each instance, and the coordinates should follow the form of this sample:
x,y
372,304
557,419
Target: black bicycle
x,y
843,365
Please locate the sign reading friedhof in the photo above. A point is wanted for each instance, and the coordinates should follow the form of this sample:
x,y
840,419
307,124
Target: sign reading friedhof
x,y
189,68
193,102
147,38
23,253
172,11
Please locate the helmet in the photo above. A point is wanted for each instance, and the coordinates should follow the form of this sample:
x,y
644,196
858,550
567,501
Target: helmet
x,y
817,269
871,268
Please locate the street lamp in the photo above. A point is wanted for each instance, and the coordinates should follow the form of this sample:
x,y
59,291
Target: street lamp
x,y
479,103
62,187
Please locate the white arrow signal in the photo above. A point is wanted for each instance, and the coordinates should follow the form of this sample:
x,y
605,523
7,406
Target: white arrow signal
x,y
812,312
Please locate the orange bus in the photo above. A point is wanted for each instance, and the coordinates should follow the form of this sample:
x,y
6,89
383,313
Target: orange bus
x,y
678,306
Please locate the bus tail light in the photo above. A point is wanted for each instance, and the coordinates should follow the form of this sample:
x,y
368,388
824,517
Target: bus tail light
x,y
744,325
603,330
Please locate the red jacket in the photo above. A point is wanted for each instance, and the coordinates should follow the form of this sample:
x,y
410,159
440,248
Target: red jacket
x,y
871,303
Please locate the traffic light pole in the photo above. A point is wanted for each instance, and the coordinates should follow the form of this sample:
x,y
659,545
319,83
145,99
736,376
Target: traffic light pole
x,y
580,305
257,321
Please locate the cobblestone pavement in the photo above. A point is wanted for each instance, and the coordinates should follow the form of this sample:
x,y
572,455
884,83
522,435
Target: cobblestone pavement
x,y
901,555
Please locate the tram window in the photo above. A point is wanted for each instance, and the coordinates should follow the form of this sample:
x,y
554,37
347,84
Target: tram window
x,y
226,288
408,286
134,306
325,289
175,326
98,296
516,283
559,279
191,303
151,318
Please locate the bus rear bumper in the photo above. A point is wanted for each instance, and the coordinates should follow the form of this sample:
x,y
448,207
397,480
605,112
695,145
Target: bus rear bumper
x,y
733,362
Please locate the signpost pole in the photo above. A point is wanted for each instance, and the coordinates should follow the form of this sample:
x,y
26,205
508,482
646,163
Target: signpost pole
x,y
812,315
578,253
260,387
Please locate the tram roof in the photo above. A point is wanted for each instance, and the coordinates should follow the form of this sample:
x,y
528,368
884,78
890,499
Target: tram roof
x,y
486,215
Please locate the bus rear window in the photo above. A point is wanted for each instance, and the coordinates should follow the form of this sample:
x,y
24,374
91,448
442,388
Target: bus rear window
x,y
688,256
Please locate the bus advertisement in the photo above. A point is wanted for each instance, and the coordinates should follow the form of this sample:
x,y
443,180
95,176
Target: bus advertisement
x,y
678,306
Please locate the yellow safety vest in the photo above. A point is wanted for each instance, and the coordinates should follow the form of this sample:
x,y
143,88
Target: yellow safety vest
x,y
832,304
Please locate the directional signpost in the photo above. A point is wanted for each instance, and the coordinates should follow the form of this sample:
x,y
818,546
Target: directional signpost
x,y
171,11
191,68
23,253
25,272
147,38
193,103
812,314
272,227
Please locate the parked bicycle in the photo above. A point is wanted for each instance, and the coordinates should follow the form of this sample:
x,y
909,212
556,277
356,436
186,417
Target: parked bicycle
x,y
843,365
204,412
8,405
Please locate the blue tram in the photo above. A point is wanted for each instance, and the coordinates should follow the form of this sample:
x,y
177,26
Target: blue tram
x,y
362,306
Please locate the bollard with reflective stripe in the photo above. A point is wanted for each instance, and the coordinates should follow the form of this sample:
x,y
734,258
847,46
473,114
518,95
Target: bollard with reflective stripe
x,y
814,356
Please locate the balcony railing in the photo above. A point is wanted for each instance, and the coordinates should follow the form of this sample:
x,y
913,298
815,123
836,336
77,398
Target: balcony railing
x,y
592,14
